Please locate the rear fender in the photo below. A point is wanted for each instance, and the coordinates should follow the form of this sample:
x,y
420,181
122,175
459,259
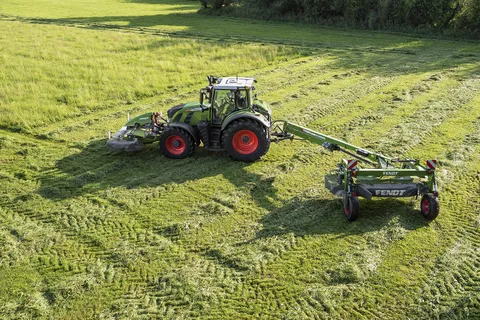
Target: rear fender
x,y
256,116
191,130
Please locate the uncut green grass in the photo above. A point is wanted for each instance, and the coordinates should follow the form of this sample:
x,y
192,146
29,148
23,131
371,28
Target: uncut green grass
x,y
88,234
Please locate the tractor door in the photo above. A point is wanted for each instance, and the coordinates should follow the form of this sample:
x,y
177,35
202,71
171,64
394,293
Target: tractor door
x,y
226,101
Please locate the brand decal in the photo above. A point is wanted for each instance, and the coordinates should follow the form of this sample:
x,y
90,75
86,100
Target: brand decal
x,y
146,118
394,193
390,173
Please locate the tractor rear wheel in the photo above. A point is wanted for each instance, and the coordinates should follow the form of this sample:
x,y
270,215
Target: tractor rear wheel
x,y
176,143
246,140
351,208
429,206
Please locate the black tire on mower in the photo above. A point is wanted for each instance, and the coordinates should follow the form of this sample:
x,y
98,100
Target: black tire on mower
x,y
176,143
246,140
352,208
429,206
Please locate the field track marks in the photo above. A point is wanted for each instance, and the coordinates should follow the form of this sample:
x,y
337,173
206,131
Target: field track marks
x,y
453,286
447,286
137,254
54,255
176,292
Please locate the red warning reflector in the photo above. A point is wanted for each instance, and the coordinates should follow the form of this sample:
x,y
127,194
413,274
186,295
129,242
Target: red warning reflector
x,y
352,164
431,164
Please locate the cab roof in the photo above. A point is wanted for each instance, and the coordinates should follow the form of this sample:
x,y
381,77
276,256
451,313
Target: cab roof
x,y
234,83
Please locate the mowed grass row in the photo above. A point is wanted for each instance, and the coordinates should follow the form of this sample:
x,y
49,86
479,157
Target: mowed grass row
x,y
93,234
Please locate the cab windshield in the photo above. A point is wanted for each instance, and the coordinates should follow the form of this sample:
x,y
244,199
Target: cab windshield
x,y
227,101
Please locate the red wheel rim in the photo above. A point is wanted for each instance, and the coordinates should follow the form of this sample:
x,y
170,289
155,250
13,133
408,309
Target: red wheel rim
x,y
425,206
347,209
175,145
245,142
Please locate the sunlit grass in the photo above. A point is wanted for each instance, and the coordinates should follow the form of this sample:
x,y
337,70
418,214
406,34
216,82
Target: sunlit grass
x,y
88,234
50,72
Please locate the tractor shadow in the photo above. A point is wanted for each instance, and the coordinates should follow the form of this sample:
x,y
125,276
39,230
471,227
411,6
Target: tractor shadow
x,y
316,217
94,168
325,216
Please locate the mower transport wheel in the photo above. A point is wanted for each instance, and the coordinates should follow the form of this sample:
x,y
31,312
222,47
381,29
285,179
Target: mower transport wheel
x,y
176,143
429,206
352,208
246,140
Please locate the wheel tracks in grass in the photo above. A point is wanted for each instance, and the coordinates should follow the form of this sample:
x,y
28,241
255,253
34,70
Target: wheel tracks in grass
x,y
114,275
452,287
447,283
67,267
94,228
198,279
75,223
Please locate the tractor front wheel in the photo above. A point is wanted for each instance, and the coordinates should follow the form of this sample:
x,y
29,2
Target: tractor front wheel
x,y
429,206
246,140
176,143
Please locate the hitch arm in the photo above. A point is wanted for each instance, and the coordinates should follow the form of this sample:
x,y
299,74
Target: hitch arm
x,y
334,144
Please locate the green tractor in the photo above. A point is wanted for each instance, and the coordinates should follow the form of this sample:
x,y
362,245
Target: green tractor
x,y
228,117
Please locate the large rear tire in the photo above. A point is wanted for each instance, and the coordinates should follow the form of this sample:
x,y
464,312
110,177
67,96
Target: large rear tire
x,y
176,143
429,206
246,140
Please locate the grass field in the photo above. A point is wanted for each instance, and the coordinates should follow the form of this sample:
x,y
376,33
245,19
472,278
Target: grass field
x,y
87,234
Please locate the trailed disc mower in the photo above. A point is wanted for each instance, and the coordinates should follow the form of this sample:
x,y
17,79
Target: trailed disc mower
x,y
229,117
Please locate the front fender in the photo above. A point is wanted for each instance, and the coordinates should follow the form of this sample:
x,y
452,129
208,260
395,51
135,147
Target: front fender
x,y
185,126
254,116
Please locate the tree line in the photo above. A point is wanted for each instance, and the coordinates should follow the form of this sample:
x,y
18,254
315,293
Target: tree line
x,y
459,15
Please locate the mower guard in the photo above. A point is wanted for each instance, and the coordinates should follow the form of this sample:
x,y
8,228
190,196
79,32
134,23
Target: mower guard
x,y
134,145
119,144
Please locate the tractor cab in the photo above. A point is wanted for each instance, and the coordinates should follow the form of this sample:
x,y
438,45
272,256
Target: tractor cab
x,y
226,96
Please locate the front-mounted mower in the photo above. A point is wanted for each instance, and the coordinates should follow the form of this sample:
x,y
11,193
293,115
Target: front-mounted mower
x,y
230,118
227,118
